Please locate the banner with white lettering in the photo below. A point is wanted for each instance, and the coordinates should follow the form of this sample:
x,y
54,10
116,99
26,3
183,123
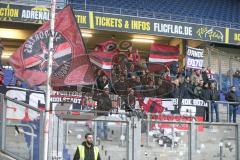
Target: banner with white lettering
x,y
186,110
194,58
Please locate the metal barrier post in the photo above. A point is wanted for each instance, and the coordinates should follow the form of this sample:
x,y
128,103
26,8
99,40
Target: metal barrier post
x,y
95,132
209,111
66,135
237,142
148,127
3,124
191,141
228,117
221,150
41,135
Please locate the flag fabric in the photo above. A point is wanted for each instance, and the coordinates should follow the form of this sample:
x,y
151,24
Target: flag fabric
x,y
71,65
162,57
160,53
1,75
134,56
151,105
156,67
103,55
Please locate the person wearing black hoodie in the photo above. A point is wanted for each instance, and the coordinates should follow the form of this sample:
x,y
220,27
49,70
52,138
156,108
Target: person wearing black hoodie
x,y
206,95
186,90
104,107
87,151
232,97
215,96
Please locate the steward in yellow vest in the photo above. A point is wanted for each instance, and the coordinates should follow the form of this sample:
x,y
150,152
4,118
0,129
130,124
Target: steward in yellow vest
x,y
87,151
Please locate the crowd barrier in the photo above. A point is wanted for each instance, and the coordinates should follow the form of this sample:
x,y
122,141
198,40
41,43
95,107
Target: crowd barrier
x,y
130,136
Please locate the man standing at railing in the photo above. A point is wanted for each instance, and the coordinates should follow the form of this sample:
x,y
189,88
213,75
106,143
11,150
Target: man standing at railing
x,y
206,95
104,105
232,97
215,96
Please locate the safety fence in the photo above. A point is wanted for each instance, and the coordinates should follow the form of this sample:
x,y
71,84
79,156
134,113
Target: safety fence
x,y
119,135
21,138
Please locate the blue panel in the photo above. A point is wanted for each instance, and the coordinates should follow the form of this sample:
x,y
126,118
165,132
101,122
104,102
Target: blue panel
x,y
215,10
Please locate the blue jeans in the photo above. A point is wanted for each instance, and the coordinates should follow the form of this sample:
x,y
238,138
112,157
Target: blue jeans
x,y
232,113
102,129
214,106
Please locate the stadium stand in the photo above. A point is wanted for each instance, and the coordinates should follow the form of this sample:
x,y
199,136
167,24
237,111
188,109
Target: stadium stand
x,y
214,12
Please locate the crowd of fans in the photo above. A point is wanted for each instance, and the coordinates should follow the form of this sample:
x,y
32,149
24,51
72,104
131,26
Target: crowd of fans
x,y
127,76
132,80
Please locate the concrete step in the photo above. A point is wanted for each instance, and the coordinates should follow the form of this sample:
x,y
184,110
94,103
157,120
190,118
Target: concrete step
x,y
4,156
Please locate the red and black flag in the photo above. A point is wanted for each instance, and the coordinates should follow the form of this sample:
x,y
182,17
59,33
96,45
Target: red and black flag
x,y
151,105
134,56
71,65
162,56
103,55
1,75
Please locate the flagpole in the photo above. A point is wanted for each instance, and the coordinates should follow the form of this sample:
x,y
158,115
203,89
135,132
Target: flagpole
x,y
48,87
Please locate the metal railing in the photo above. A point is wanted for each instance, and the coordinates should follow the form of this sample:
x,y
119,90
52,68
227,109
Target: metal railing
x,y
130,139
132,12
138,145
10,143
31,149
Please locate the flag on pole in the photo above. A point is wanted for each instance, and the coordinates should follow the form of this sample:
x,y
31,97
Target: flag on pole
x,y
162,56
151,105
71,65
163,53
103,55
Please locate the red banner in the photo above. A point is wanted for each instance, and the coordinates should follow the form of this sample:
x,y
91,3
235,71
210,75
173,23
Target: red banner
x,y
103,55
163,53
71,65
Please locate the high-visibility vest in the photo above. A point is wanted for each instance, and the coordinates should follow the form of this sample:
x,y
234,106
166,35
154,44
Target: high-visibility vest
x,y
81,149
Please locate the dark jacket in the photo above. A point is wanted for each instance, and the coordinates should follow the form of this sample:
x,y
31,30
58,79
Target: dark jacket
x,y
165,90
186,91
89,153
206,94
205,77
215,95
121,88
175,92
104,103
232,97
130,103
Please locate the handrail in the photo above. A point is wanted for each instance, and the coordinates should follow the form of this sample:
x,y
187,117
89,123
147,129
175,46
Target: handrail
x,y
32,139
22,103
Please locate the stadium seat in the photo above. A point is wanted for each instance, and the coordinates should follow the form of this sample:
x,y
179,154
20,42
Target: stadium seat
x,y
221,13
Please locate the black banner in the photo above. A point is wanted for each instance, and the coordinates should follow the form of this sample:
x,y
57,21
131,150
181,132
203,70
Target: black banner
x,y
120,23
34,14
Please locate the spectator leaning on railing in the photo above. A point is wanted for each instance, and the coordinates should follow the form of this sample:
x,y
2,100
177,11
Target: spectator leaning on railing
x,y
198,89
215,96
104,105
232,97
206,95
186,89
